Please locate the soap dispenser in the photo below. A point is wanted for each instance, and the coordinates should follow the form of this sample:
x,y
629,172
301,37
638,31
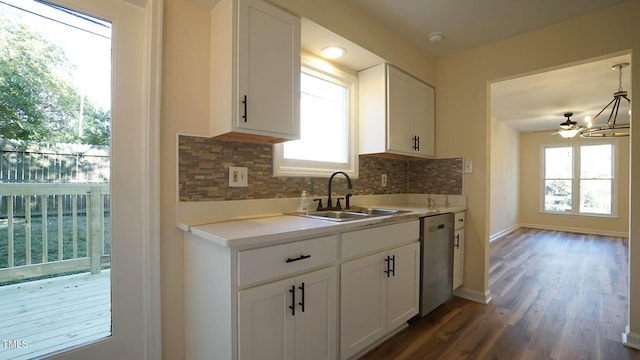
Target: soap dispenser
x,y
303,206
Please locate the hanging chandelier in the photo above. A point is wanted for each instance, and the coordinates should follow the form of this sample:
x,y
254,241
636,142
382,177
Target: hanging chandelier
x,y
611,128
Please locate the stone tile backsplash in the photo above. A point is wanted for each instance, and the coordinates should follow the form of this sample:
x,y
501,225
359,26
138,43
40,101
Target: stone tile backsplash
x,y
203,174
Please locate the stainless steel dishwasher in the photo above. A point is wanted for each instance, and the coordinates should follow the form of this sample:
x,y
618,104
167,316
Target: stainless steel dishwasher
x,y
436,261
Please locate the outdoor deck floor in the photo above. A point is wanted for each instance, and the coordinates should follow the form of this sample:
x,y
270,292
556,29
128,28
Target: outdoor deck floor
x,y
45,316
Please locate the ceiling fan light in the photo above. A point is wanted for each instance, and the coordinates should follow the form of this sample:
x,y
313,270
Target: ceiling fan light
x,y
568,134
568,128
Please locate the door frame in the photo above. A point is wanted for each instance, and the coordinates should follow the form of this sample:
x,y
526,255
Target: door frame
x,y
148,234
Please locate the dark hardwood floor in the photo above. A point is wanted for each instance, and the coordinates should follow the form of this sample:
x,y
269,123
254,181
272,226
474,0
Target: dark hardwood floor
x,y
555,296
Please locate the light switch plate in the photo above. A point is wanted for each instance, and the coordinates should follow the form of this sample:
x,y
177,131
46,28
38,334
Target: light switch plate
x,y
468,166
238,176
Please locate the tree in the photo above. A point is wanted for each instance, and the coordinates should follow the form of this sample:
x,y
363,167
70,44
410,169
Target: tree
x,y
37,99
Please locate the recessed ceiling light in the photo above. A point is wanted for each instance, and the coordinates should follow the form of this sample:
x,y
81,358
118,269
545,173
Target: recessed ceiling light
x,y
332,52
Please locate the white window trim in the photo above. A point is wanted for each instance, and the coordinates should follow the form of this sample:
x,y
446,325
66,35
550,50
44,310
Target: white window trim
x,y
575,200
298,168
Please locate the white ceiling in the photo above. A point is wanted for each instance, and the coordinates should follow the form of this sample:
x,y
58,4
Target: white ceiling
x,y
470,23
528,103
537,102
316,37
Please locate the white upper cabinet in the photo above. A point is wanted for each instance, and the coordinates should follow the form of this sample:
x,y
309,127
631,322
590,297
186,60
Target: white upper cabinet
x,y
396,113
255,72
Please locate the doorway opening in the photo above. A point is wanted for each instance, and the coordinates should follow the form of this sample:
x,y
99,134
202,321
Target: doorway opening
x,y
526,116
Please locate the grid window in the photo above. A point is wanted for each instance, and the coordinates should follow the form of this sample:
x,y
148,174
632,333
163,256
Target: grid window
x,y
581,174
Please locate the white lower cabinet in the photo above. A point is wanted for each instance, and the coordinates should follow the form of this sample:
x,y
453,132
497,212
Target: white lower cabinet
x,y
458,250
458,258
281,301
294,318
379,293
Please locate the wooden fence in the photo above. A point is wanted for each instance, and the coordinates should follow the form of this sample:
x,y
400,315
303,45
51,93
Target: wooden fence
x,y
87,203
23,162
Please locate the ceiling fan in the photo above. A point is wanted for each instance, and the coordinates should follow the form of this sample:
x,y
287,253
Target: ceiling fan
x,y
568,128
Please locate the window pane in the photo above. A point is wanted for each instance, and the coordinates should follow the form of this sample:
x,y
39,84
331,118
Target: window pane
x,y
557,195
323,122
55,116
595,196
558,163
595,161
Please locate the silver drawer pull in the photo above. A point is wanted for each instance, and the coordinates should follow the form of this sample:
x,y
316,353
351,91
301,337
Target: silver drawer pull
x,y
301,257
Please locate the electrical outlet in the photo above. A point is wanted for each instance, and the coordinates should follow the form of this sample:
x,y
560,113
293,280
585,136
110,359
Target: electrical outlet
x,y
238,176
384,179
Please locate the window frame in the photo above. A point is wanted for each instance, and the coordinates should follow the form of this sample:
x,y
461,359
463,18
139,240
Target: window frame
x,y
306,168
576,179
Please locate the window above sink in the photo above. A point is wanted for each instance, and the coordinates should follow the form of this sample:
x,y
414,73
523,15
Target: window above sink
x,y
328,124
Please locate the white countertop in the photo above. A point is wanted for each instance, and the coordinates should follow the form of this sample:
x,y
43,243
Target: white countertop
x,y
267,230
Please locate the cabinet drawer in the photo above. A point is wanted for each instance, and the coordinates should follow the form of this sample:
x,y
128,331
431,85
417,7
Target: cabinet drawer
x,y
459,220
364,241
274,261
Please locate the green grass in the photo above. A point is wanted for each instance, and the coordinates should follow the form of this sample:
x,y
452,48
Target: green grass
x,y
19,243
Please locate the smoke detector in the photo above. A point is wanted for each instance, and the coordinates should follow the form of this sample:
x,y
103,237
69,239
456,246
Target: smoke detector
x,y
435,37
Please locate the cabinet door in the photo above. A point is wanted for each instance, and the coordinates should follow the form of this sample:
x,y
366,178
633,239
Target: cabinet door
x,y
316,331
404,285
422,117
269,69
363,297
399,132
265,324
458,258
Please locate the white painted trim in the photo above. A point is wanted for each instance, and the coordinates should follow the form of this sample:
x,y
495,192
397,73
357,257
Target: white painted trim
x,y
476,296
576,230
504,232
630,339
151,279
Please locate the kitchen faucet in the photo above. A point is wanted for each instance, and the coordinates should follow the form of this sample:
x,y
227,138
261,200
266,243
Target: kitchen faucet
x,y
329,203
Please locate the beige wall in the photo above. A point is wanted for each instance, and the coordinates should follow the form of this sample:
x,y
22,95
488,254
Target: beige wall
x,y
462,103
185,109
505,162
530,190
185,72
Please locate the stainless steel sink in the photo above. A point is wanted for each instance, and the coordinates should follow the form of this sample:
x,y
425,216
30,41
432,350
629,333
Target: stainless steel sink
x,y
350,214
376,211
335,215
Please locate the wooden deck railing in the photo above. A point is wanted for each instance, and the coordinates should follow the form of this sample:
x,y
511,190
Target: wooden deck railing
x,y
63,207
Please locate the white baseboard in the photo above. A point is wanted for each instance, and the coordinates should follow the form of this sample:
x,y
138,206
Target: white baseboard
x,y
576,230
504,232
476,296
630,339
